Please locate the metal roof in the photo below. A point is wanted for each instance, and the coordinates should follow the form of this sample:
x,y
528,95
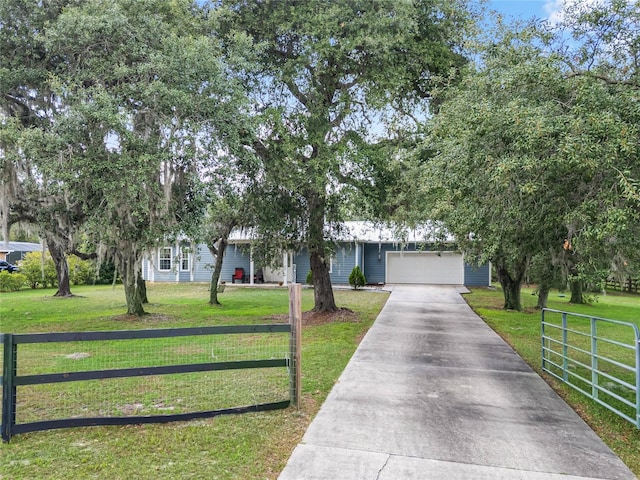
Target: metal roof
x,y
9,247
369,232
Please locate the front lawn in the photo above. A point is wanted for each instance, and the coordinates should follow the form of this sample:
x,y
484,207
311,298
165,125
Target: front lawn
x,y
522,331
249,446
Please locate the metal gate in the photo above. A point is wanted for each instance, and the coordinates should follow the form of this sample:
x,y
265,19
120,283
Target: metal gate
x,y
596,356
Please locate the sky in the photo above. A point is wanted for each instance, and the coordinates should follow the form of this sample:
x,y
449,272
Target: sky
x,y
525,9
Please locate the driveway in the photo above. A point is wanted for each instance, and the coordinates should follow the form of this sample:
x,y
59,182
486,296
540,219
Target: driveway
x,y
433,393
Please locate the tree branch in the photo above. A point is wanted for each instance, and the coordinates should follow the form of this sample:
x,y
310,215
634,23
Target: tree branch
x,y
604,78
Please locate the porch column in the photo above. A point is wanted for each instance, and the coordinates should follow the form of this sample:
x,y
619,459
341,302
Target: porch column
x,y
179,260
285,266
192,263
251,265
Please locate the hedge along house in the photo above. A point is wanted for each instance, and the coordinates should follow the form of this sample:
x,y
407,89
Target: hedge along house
x,y
383,255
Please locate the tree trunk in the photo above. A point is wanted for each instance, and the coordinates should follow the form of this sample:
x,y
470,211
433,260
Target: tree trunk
x,y
142,289
512,281
217,269
62,268
322,289
128,266
543,295
577,296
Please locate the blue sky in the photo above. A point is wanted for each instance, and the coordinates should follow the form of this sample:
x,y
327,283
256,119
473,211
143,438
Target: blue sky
x,y
525,9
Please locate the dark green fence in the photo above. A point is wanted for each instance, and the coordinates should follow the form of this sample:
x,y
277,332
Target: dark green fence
x,y
197,350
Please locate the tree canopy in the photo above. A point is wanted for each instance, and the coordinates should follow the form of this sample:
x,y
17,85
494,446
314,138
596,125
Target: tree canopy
x,y
327,75
133,118
532,155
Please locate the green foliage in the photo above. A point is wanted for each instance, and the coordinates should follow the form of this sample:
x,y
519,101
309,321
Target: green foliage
x,y
357,278
39,269
106,273
524,159
81,272
11,282
309,279
331,73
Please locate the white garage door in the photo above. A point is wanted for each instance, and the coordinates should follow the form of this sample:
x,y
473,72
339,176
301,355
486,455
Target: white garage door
x,y
445,268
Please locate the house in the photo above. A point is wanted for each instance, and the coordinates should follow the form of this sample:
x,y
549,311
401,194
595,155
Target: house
x,y
13,252
424,256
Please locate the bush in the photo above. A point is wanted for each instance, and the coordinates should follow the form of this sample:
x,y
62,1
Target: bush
x,y
37,271
357,278
81,272
11,282
309,277
106,273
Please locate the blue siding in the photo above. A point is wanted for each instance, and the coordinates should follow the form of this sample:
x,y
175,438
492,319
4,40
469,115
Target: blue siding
x,y
344,259
372,261
204,262
477,276
301,261
235,256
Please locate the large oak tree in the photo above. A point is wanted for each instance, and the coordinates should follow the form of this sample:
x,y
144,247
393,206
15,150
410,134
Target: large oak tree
x,y
332,79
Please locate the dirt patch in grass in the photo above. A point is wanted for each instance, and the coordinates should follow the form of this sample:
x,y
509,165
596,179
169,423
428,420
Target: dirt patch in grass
x,y
146,319
320,318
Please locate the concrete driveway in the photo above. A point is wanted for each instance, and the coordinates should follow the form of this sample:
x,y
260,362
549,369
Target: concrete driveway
x,y
433,393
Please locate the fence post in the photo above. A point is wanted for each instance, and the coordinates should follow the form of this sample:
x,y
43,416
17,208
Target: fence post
x,y
543,352
565,349
594,359
295,344
637,380
8,388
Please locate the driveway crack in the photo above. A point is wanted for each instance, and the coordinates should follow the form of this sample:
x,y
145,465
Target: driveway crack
x,y
382,468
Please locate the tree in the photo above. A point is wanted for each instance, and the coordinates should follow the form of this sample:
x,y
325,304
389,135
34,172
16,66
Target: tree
x,y
524,159
329,72
226,212
140,113
28,108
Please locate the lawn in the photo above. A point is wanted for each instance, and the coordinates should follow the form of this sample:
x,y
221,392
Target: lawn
x,y
248,446
522,331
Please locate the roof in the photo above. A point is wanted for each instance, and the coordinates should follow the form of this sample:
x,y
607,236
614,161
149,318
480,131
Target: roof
x,y
8,247
370,232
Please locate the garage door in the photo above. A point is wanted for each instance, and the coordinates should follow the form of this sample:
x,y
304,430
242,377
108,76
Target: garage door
x,y
445,268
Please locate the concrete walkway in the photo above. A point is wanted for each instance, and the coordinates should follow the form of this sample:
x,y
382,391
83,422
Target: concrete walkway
x,y
433,393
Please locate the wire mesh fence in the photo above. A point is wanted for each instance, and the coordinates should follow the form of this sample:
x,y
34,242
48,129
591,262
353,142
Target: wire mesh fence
x,y
73,379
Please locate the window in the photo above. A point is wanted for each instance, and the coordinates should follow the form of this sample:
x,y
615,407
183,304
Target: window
x,y
165,258
185,259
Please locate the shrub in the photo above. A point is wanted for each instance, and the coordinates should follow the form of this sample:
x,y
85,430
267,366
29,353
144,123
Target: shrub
x,y
11,282
81,272
37,271
357,278
106,273
309,277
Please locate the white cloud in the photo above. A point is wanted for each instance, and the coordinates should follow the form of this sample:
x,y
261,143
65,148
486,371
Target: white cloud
x,y
555,9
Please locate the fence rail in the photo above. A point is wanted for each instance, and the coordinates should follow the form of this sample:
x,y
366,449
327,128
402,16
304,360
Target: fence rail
x,y
245,367
631,285
599,357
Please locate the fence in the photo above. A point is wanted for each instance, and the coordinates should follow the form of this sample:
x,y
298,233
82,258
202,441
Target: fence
x,y
596,356
71,379
631,285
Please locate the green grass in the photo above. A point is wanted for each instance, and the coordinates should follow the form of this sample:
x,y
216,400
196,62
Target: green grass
x,y
238,446
522,331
